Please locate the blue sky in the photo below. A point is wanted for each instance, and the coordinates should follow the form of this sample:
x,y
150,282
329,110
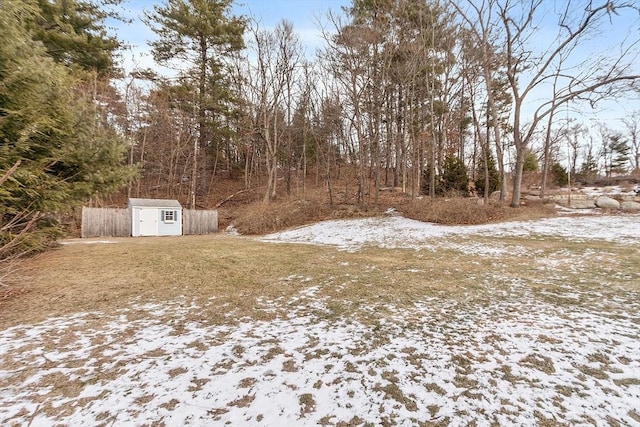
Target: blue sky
x,y
300,12
304,15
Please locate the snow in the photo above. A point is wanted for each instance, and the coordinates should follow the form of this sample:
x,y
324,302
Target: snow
x,y
516,361
85,242
399,232
594,192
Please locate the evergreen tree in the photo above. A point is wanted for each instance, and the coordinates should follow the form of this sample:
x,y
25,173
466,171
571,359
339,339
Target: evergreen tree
x,y
201,35
73,33
619,154
530,162
559,174
494,175
589,168
453,180
63,152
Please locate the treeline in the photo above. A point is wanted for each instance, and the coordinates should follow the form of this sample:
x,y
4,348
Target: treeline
x,y
426,96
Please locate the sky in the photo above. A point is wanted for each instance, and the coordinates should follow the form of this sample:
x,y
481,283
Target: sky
x,y
304,14
307,15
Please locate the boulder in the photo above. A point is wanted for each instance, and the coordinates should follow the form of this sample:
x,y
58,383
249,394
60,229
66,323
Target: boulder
x,y
496,196
583,203
607,203
630,206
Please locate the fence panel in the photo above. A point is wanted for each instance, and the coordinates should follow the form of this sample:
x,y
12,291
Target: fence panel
x,y
106,222
110,222
199,221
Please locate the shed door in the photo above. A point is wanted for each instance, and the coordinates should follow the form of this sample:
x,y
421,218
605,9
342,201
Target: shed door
x,y
148,222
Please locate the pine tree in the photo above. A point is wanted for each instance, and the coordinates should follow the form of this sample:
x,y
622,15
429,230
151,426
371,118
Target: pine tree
x,y
453,181
63,152
73,33
559,174
201,35
619,149
530,162
589,168
494,175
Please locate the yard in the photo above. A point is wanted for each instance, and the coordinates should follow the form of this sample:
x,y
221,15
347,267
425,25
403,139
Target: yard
x,y
376,321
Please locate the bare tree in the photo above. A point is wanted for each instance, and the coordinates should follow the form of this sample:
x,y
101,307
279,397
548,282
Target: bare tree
x,y
632,126
395,63
348,58
591,78
272,73
520,26
479,19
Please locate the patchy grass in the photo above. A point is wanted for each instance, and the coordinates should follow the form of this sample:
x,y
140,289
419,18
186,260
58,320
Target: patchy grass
x,y
221,328
236,276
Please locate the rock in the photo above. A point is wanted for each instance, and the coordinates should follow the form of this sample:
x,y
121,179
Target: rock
x,y
630,206
496,196
607,203
583,203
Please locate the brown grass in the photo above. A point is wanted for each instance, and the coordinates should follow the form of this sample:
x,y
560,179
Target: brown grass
x,y
262,218
230,276
232,272
85,277
469,211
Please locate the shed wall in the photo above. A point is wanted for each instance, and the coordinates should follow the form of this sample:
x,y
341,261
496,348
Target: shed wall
x,y
141,216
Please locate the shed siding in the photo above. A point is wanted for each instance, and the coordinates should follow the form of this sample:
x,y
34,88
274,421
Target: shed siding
x,y
159,227
170,228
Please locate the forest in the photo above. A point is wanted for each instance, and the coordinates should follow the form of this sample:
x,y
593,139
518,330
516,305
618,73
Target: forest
x,y
432,98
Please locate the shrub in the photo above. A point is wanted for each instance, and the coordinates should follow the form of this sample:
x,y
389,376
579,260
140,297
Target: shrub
x,y
262,218
454,179
494,175
559,174
530,162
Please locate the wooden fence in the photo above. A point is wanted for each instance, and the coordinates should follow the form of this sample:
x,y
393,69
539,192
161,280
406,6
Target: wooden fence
x,y
106,222
110,222
199,221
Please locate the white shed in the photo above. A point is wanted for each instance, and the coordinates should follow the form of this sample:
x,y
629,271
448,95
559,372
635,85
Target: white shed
x,y
155,217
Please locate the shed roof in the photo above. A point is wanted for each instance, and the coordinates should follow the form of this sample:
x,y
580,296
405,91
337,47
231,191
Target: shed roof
x,y
154,203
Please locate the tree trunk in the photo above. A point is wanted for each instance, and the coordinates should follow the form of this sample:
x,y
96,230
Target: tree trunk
x,y
194,176
521,150
547,152
517,179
